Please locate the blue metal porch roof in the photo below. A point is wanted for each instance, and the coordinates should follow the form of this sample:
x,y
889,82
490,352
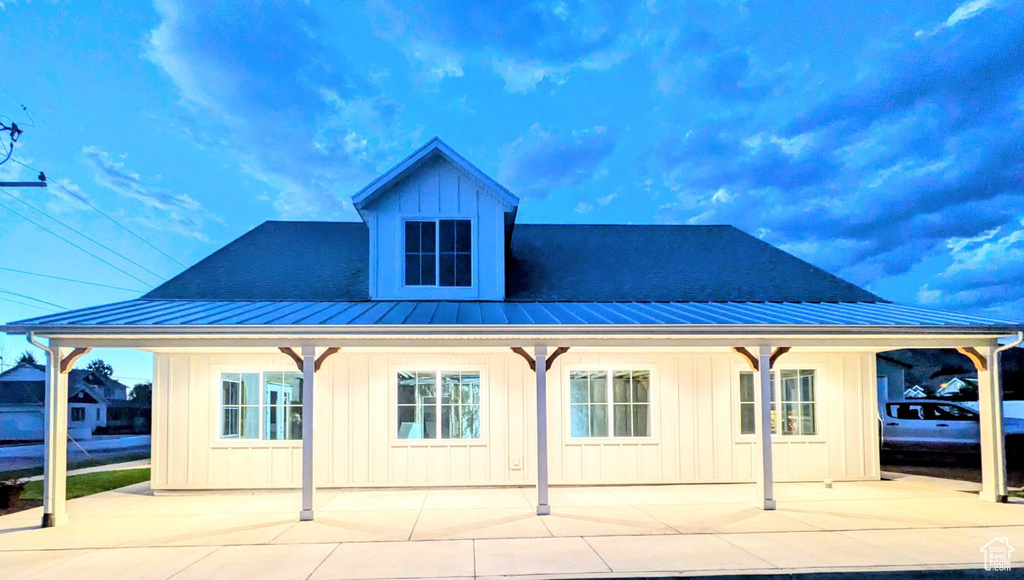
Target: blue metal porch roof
x,y
198,313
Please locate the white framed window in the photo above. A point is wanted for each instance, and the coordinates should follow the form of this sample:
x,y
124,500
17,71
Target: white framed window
x,y
423,414
261,405
610,403
78,413
439,252
795,391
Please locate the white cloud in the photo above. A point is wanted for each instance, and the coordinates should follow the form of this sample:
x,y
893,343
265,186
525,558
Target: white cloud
x,y
607,199
523,77
296,115
161,208
928,296
584,207
965,11
986,251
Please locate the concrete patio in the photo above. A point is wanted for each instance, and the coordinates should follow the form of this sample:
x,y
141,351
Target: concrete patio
x,y
909,523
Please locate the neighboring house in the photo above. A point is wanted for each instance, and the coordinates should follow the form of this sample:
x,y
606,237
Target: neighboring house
x,y
22,391
958,387
915,392
439,342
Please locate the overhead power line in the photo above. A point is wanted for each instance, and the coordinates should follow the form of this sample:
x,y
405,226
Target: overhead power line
x,y
91,160
26,296
53,233
104,214
100,244
13,301
52,277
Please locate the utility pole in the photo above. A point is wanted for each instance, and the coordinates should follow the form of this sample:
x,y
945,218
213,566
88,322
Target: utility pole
x,y
40,183
13,133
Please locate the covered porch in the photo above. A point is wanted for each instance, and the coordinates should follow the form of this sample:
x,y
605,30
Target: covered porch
x,y
760,360
525,340
909,523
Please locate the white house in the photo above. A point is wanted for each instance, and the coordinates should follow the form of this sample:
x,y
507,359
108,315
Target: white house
x,y
438,342
915,392
22,392
954,386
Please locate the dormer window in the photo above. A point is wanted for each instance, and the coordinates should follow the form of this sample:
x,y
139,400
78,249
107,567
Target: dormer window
x,y
438,253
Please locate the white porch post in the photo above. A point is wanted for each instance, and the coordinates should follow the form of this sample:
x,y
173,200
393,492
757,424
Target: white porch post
x,y
540,355
993,442
55,441
763,428
308,373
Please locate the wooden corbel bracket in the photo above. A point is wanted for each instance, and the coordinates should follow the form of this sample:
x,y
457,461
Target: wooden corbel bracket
x,y
533,363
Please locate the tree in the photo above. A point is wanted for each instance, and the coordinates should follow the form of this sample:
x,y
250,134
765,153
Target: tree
x,y
142,392
101,368
26,358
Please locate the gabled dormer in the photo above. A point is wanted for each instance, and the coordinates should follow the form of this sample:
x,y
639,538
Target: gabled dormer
x,y
438,229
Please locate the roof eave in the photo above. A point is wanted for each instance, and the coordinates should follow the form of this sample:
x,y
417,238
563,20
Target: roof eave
x,y
510,330
367,194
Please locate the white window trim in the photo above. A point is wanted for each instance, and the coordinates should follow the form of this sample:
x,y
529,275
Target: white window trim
x,y
218,401
819,407
474,252
438,370
651,439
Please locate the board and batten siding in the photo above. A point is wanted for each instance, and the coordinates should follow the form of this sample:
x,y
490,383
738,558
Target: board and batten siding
x,y
438,190
695,423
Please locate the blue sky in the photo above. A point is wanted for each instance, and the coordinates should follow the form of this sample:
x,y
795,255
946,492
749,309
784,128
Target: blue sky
x,y
880,141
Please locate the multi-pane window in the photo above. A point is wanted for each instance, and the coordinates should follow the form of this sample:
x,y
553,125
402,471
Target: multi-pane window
x,y
420,408
588,395
271,413
420,253
455,255
748,383
798,405
282,405
439,253
795,392
78,413
620,407
460,405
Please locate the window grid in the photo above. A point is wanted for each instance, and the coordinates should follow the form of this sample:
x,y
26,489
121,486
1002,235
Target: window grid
x,y
799,407
455,256
588,403
439,253
419,408
617,408
417,401
460,406
261,406
420,253
631,399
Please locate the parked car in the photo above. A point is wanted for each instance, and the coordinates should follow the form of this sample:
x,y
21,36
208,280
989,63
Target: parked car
x,y
940,426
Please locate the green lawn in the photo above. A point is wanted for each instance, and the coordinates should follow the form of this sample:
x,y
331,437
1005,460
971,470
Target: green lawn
x,y
90,483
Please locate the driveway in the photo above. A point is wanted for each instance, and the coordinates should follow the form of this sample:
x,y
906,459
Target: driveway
x,y
907,524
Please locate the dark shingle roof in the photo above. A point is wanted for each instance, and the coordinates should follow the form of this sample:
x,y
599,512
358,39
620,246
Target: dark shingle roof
x,y
663,263
22,392
321,261
32,392
281,261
